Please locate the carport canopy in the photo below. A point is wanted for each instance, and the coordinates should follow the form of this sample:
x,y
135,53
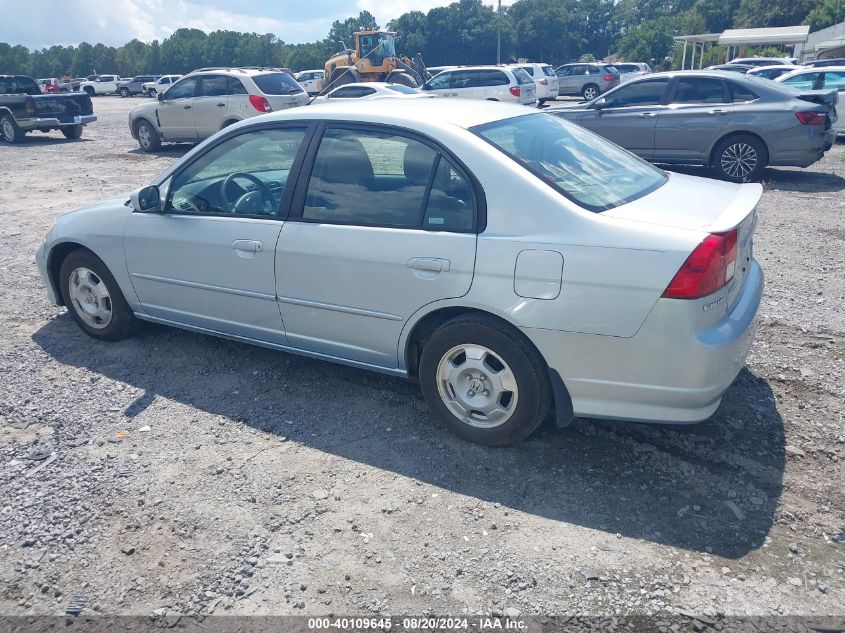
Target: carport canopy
x,y
738,37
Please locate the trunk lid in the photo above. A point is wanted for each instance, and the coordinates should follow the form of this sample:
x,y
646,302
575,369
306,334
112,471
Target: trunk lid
x,y
701,204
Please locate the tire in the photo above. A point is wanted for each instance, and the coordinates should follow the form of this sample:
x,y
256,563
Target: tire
x,y
89,91
73,132
401,77
515,388
740,158
341,76
151,93
590,92
9,130
124,92
148,138
94,299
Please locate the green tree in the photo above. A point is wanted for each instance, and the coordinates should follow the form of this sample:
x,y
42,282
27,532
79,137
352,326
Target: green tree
x,y
772,13
827,14
718,14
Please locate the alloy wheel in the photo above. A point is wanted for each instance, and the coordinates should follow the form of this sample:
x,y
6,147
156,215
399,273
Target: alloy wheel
x,y
738,160
477,386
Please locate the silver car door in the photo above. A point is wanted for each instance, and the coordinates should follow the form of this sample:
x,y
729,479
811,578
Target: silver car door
x,y
210,104
367,251
699,112
207,261
629,116
176,111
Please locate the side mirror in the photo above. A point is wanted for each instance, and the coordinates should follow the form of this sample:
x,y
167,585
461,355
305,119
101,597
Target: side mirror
x,y
160,96
146,199
600,104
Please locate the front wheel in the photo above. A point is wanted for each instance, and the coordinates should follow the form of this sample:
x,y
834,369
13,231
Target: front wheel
x,y
72,132
148,138
94,299
484,381
124,92
740,158
151,93
10,131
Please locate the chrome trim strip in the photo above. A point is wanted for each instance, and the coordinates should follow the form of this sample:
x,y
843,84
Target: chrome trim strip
x,y
392,371
338,308
194,284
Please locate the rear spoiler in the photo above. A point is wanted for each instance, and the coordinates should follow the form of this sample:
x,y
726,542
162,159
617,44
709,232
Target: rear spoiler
x,y
823,97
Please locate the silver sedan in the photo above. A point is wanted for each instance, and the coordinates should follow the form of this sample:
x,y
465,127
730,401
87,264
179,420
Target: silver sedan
x,y
516,264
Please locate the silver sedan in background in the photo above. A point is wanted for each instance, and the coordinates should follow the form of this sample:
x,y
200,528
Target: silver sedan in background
x,y
512,262
727,121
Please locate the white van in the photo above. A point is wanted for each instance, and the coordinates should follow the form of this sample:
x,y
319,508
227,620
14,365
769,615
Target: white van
x,y
492,83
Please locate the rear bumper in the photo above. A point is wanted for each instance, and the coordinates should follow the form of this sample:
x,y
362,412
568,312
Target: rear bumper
x,y
794,151
667,372
49,122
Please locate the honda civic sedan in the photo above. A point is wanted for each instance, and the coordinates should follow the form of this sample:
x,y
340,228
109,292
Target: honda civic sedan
x,y
516,264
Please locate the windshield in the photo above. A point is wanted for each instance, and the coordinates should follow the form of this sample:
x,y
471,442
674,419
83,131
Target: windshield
x,y
584,167
277,84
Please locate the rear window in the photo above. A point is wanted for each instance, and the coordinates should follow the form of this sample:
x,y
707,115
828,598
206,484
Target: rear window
x,y
19,86
403,89
626,68
277,84
522,77
584,167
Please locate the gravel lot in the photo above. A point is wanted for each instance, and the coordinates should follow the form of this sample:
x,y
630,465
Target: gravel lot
x,y
194,475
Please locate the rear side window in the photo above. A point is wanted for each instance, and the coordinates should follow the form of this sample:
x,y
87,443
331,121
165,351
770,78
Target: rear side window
x,y
493,78
528,69
693,90
214,87
277,84
584,167
236,86
355,167
834,80
740,93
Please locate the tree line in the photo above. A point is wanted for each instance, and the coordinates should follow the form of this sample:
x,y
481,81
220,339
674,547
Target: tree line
x,y
464,32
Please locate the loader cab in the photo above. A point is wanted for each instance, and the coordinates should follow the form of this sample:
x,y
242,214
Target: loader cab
x,y
377,47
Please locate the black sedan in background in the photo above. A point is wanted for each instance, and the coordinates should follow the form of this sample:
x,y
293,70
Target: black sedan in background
x,y
735,124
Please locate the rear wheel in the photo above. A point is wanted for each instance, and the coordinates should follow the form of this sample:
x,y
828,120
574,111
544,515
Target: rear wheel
x,y
148,138
484,381
94,299
10,131
590,92
124,92
740,158
73,132
151,93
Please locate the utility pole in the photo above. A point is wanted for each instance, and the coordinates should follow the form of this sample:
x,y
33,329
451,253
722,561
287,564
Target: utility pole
x,y
499,34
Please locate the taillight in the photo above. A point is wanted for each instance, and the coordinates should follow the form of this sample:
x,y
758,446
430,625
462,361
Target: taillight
x,y
260,103
543,82
609,77
30,105
707,269
515,91
811,118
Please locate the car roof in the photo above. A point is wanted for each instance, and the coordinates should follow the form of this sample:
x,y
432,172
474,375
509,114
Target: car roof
x,y
801,70
446,113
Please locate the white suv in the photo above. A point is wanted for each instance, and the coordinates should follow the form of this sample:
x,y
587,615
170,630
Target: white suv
x,y
545,78
493,83
206,101
152,88
102,85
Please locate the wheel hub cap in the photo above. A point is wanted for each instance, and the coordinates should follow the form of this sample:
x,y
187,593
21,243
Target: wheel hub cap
x,y
90,298
477,386
8,131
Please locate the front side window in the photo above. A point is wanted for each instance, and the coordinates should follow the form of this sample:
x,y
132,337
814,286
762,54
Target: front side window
x,y
440,82
693,90
835,80
385,179
584,167
642,93
244,175
181,90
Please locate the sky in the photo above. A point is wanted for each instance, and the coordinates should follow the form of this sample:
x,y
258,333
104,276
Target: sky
x,y
115,22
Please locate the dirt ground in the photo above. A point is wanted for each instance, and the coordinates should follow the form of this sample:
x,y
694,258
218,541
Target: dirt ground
x,y
194,475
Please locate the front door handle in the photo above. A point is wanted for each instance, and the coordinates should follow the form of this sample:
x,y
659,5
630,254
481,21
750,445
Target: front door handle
x,y
221,105
248,246
429,264
717,112
186,107
647,115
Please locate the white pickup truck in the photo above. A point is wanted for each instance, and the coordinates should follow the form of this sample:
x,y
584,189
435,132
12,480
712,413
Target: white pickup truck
x,y
102,85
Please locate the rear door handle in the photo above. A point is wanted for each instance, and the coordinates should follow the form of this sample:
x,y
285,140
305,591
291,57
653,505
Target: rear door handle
x,y
429,264
248,246
647,115
717,112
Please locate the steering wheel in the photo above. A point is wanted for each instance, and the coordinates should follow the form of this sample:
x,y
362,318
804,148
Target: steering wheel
x,y
263,189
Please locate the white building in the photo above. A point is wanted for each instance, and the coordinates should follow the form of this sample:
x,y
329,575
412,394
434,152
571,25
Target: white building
x,y
824,44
